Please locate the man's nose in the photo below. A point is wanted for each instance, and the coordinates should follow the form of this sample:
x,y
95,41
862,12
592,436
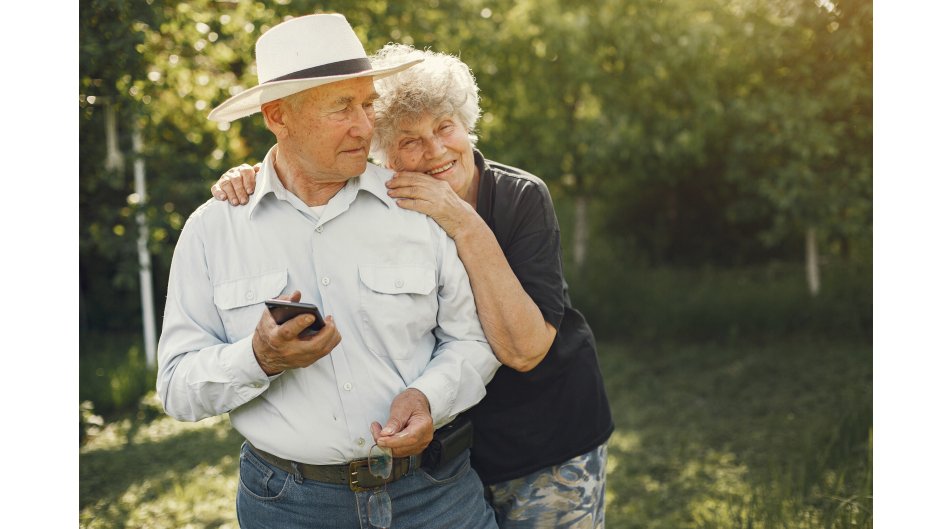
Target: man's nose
x,y
363,126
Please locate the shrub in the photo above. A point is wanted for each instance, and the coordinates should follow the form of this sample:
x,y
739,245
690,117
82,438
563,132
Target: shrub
x,y
112,372
625,301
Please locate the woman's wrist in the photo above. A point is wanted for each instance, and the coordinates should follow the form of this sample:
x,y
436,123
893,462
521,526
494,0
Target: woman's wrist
x,y
469,225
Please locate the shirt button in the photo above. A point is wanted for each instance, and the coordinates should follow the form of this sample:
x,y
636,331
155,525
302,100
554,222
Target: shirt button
x,y
398,283
348,386
320,229
325,281
256,385
250,295
360,441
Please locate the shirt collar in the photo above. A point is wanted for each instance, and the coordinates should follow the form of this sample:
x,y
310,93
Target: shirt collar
x,y
487,186
267,182
480,161
374,182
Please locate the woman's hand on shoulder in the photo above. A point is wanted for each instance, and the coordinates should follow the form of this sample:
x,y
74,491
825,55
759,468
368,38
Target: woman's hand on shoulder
x,y
432,197
236,184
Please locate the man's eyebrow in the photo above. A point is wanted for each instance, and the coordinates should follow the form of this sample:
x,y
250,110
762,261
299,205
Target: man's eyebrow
x,y
344,100
347,100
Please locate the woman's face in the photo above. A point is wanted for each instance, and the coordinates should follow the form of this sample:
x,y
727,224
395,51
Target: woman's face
x,y
438,146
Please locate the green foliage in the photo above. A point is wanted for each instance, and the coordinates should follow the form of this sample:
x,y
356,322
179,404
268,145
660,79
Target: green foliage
x,y
113,376
804,125
753,121
704,132
723,304
625,294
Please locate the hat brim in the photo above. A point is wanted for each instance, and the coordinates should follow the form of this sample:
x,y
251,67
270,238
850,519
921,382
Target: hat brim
x,y
249,101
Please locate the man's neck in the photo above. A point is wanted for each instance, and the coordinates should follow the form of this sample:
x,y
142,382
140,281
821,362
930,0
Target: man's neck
x,y
311,189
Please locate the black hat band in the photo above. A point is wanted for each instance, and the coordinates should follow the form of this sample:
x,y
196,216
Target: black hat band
x,y
327,70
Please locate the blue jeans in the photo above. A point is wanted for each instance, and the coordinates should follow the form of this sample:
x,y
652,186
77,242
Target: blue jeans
x,y
451,497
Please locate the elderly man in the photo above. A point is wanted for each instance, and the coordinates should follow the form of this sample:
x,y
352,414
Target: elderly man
x,y
401,345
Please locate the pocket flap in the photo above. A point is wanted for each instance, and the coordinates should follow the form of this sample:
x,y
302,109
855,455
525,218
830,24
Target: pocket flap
x,y
398,279
250,290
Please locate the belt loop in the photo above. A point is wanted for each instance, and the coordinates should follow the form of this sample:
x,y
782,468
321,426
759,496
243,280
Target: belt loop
x,y
296,472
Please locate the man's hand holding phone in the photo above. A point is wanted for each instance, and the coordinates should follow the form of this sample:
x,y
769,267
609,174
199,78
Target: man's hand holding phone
x,y
281,346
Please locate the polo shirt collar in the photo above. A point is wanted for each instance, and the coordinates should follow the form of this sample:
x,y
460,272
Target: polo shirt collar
x,y
487,187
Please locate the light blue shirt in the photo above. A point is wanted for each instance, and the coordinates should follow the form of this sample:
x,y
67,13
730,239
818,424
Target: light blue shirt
x,y
391,278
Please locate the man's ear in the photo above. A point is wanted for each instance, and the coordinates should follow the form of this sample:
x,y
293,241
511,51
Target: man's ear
x,y
274,113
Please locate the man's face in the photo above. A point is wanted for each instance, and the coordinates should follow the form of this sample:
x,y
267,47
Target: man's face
x,y
438,146
329,128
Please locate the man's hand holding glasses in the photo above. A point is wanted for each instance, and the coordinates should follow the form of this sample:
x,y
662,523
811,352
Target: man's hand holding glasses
x,y
409,429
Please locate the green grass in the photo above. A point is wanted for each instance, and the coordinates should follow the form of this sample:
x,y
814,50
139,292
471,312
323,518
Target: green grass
x,y
748,436
774,434
161,473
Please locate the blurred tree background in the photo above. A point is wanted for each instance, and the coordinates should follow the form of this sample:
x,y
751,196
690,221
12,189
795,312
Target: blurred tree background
x,y
711,160
689,134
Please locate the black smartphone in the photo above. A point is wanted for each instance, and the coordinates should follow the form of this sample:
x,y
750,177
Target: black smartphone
x,y
283,311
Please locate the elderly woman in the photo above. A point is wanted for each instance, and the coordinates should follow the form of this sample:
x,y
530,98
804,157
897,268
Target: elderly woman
x,y
542,429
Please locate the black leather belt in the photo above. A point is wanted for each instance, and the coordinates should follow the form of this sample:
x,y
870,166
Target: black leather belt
x,y
356,474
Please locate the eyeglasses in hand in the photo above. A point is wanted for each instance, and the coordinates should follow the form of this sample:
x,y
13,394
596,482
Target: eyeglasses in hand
x,y
380,464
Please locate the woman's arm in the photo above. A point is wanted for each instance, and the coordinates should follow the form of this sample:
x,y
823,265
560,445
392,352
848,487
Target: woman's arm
x,y
512,321
518,334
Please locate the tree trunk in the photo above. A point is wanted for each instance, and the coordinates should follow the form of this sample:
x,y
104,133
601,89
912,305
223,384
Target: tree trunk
x,y
813,265
114,160
145,259
580,242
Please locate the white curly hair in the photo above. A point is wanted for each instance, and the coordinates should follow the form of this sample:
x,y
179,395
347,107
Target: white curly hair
x,y
440,85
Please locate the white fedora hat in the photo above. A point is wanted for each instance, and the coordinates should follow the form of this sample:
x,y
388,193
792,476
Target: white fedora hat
x,y
299,54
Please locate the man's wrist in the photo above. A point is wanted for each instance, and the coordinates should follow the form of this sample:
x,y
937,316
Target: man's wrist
x,y
421,396
263,361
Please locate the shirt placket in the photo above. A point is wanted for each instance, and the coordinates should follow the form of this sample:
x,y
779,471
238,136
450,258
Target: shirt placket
x,y
332,286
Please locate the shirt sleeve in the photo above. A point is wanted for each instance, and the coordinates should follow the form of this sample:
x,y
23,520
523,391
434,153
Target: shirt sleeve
x,y
534,251
199,374
462,363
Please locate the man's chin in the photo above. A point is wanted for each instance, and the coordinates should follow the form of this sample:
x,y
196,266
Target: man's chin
x,y
357,167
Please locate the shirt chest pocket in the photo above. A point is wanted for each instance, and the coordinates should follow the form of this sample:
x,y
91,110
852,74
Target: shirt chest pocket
x,y
398,305
240,301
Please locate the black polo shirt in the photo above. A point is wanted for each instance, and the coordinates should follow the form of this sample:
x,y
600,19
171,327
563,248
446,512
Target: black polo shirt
x,y
558,410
